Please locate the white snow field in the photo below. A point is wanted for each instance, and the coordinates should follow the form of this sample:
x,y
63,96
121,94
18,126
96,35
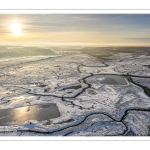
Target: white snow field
x,y
75,94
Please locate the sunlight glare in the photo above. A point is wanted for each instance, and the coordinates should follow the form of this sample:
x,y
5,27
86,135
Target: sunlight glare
x,y
16,29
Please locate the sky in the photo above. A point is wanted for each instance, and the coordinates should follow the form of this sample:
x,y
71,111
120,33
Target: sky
x,y
76,29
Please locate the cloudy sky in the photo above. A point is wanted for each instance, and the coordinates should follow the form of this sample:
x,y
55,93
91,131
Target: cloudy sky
x,y
77,29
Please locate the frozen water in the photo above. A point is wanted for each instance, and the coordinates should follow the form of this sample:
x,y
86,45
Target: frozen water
x,y
113,79
84,93
16,116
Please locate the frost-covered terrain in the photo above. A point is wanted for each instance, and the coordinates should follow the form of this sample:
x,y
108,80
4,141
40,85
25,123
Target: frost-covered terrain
x,y
76,93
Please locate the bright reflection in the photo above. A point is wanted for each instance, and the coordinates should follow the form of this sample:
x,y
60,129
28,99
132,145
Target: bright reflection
x,y
16,28
16,116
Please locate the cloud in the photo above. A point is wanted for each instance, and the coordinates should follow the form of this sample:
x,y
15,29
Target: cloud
x,y
94,28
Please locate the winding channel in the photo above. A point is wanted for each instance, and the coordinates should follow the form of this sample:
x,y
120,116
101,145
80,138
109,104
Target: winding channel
x,y
124,114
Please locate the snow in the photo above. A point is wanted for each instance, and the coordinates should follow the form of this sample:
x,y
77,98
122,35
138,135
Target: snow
x,y
71,81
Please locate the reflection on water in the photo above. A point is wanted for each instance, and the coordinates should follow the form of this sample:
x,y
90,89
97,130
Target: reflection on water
x,y
113,79
15,116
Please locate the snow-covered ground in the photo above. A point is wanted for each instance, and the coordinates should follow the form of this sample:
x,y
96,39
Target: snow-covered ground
x,y
72,82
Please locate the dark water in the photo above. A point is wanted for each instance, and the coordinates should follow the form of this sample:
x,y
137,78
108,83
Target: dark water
x,y
113,79
76,87
145,88
16,116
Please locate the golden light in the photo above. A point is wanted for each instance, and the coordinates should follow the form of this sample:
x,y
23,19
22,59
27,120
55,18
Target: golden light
x,y
16,28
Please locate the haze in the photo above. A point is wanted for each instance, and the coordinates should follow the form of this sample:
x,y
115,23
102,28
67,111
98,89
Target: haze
x,y
77,29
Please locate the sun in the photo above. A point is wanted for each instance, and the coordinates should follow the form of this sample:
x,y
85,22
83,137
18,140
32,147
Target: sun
x,y
16,29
